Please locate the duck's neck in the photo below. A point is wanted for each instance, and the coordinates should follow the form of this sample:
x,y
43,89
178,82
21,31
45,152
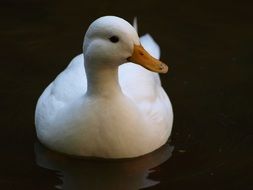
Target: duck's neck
x,y
102,80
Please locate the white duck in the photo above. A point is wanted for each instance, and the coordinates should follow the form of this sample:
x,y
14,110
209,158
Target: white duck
x,y
102,105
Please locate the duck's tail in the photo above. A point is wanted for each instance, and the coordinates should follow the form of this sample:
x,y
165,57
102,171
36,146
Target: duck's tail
x,y
148,42
135,24
150,45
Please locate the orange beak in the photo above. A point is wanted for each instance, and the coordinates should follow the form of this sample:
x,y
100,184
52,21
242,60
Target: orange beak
x,y
141,57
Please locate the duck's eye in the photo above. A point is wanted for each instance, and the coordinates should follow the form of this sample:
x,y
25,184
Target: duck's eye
x,y
114,39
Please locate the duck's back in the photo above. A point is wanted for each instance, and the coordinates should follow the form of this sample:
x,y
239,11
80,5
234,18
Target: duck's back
x,y
136,82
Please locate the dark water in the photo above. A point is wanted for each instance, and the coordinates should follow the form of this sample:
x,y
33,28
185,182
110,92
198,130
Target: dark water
x,y
207,44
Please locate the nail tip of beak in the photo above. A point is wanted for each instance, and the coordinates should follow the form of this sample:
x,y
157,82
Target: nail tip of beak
x,y
164,69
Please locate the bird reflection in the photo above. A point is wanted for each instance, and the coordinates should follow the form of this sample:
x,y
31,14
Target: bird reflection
x,y
97,174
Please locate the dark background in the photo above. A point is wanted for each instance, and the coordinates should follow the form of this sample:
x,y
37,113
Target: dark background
x,y
209,48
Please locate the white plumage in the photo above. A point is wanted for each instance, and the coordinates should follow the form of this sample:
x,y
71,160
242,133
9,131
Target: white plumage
x,y
125,113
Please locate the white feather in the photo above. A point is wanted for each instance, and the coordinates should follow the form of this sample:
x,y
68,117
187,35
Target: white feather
x,y
113,127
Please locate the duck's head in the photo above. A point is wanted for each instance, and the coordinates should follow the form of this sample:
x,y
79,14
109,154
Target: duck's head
x,y
112,40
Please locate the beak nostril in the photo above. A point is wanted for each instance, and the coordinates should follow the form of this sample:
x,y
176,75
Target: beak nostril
x,y
141,53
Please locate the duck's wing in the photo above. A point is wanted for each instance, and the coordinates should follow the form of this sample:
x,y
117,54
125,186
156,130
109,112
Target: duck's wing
x,y
72,82
68,86
144,87
137,82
